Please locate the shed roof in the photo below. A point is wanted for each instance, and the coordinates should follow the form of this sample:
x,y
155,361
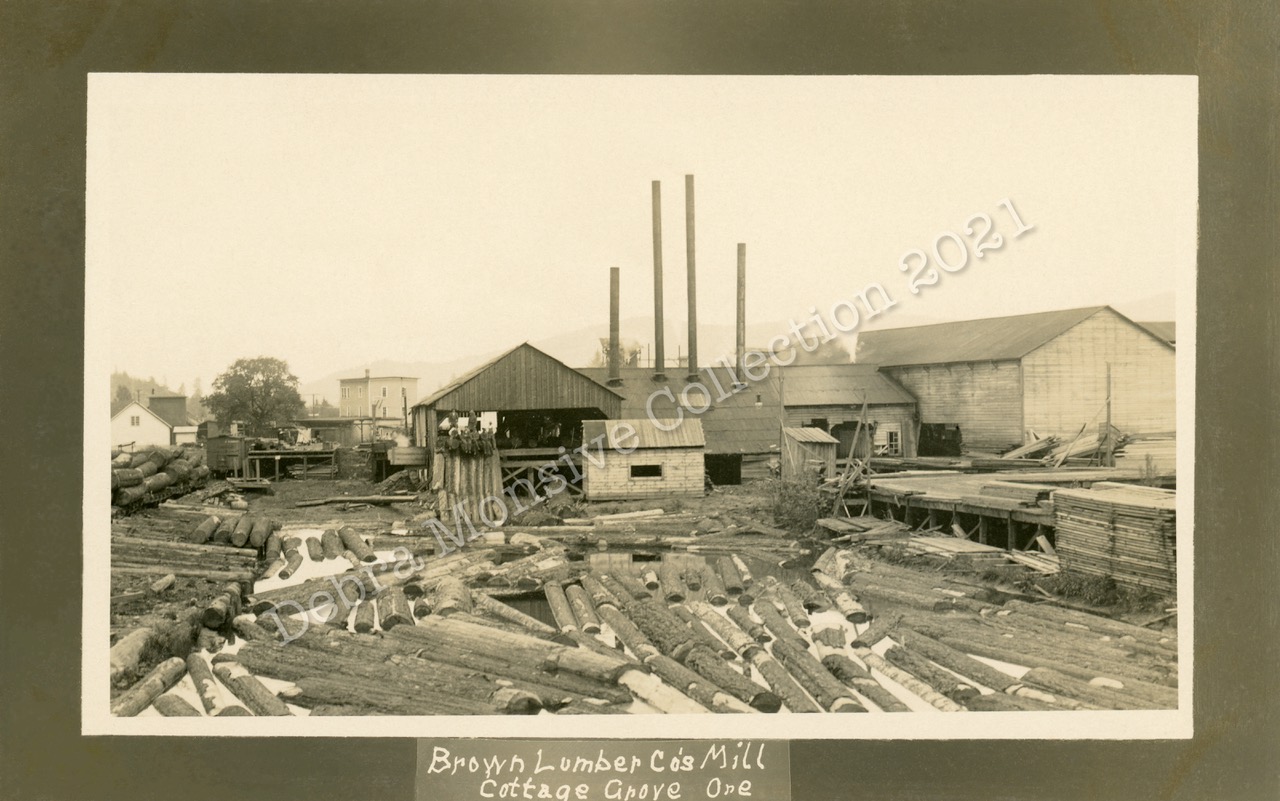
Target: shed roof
x,y
810,435
685,434
990,339
524,378
841,385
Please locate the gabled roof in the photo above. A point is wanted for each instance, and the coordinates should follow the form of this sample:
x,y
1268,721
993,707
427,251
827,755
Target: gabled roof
x,y
133,404
840,385
1164,330
524,378
685,434
990,339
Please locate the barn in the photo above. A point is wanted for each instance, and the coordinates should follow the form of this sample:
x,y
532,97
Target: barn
x,y
1001,378
637,458
830,397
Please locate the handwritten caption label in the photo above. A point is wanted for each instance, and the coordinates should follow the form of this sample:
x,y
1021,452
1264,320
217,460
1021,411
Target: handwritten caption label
x,y
595,770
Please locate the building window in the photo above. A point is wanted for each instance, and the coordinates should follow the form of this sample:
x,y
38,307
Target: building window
x,y
135,420
346,392
646,471
360,390
889,439
384,392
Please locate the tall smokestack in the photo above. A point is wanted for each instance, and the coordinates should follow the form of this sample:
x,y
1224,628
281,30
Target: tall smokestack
x,y
615,355
742,308
693,281
659,322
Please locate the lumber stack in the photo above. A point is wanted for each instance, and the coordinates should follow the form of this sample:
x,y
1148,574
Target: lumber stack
x,y
1126,532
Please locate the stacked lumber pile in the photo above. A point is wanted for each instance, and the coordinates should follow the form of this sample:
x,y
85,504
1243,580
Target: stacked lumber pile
x,y
1123,531
1024,492
149,477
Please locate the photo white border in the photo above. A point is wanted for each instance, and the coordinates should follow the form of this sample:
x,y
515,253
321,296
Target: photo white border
x,y
96,718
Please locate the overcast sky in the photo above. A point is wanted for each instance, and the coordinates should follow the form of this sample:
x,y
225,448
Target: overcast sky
x,y
335,220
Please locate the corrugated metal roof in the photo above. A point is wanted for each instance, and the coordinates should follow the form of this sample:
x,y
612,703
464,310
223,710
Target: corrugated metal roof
x,y
686,433
991,339
841,385
810,435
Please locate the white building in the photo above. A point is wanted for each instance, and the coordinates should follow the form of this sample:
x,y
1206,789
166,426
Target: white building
x,y
140,427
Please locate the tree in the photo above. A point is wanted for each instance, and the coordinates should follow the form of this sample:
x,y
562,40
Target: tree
x,y
261,392
122,398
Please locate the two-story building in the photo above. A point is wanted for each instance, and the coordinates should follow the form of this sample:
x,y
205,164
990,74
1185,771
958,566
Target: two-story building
x,y
377,397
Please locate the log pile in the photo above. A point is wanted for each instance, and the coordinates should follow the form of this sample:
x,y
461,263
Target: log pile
x,y
148,477
1123,531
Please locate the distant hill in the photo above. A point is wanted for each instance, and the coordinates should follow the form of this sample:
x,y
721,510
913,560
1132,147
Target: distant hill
x,y
578,348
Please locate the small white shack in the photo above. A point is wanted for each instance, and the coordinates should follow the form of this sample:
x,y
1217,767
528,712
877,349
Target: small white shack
x,y
630,459
808,451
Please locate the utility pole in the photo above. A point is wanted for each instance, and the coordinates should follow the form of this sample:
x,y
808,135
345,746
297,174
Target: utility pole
x,y
1108,452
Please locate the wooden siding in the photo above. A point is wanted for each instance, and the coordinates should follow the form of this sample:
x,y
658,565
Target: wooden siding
x,y
682,474
983,398
902,414
1065,380
526,379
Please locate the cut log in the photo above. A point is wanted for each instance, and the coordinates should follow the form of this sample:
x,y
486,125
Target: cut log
x,y
830,694
262,528
393,609
1098,697
708,664
273,548
222,534
668,632
583,614
844,601
625,589
783,683
352,542
226,606
730,578
152,686
939,680
650,579
716,593
292,563
331,544
952,659
908,682
315,551
560,609
693,685
163,584
740,641
245,686
247,627
791,603
859,679
659,695
598,593
173,706
810,597
704,634
775,623
451,595
673,588
240,534
366,614
206,687
627,633
742,616
204,532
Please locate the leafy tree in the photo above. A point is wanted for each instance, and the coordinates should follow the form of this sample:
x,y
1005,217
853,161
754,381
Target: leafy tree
x,y
122,398
261,392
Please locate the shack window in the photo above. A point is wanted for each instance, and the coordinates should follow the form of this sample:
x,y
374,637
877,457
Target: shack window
x,y
646,471
889,439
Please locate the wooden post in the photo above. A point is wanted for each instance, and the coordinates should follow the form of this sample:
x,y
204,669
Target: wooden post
x,y
982,528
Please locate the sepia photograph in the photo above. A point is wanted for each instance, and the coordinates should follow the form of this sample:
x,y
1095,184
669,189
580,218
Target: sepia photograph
x,y
470,405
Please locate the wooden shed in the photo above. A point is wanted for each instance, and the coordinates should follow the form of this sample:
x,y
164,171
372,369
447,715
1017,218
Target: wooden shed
x,y
1000,378
629,459
808,452
534,403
